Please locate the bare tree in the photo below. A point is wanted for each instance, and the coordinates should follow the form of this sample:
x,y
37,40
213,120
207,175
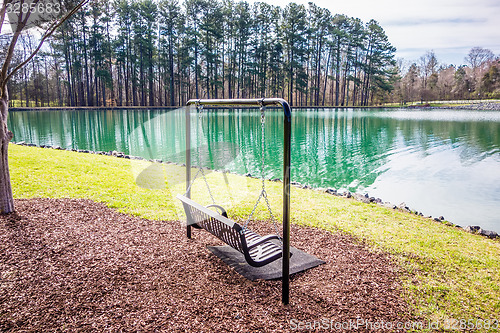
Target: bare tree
x,y
428,66
478,57
12,12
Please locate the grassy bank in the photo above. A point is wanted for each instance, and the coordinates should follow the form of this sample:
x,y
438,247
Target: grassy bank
x,y
453,274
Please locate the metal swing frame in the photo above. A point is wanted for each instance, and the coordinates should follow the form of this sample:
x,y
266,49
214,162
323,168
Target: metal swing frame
x,y
287,127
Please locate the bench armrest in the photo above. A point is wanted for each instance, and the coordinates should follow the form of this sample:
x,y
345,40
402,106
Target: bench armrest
x,y
222,210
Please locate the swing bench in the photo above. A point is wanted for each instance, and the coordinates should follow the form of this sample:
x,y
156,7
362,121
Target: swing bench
x,y
258,251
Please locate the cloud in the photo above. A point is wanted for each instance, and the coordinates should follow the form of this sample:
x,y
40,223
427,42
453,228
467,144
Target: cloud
x,y
427,21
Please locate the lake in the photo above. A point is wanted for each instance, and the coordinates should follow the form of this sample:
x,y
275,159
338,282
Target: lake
x,y
439,162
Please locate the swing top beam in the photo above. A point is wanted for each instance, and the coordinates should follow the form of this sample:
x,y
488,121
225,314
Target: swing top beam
x,y
287,135
245,102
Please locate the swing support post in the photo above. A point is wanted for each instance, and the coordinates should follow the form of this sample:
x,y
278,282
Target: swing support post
x,y
287,133
188,162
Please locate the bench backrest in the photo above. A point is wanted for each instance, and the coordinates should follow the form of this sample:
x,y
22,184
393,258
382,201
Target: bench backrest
x,y
219,226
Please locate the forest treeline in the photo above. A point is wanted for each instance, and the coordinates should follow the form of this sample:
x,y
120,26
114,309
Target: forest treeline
x,y
427,80
148,53
155,53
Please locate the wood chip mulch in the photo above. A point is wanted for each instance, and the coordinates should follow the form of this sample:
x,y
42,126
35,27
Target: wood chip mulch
x,y
76,265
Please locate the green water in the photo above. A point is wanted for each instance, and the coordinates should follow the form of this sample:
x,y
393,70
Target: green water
x,y
439,162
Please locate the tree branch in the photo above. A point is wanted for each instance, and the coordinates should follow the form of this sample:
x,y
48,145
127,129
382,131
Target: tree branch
x,y
21,23
50,30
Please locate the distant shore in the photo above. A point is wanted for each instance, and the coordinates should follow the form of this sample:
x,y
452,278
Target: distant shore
x,y
488,106
465,105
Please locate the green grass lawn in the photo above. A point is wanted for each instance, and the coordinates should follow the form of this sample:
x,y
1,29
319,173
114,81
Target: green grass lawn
x,y
450,273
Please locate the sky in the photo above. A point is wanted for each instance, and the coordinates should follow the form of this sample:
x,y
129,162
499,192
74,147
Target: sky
x,y
450,28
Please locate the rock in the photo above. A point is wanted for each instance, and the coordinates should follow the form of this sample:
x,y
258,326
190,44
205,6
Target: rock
x,y
488,233
276,180
441,218
250,175
389,205
22,143
472,228
331,191
295,183
306,187
437,220
403,206
361,198
348,194
31,145
156,161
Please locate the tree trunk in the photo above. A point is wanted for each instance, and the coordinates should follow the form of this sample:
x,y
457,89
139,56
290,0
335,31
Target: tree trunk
x,y
6,198
337,72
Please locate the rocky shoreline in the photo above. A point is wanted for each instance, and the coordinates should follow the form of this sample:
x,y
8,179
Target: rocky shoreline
x,y
482,106
488,106
366,198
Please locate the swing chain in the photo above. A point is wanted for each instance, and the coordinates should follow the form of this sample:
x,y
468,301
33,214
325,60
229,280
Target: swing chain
x,y
199,110
263,193
206,183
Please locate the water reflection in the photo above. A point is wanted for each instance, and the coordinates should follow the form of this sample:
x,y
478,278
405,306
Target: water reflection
x,y
440,162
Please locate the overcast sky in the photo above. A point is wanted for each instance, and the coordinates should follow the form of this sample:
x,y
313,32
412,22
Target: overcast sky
x,y
449,27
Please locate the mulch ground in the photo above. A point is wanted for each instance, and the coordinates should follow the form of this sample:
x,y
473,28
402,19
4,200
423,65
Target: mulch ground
x,y
76,265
